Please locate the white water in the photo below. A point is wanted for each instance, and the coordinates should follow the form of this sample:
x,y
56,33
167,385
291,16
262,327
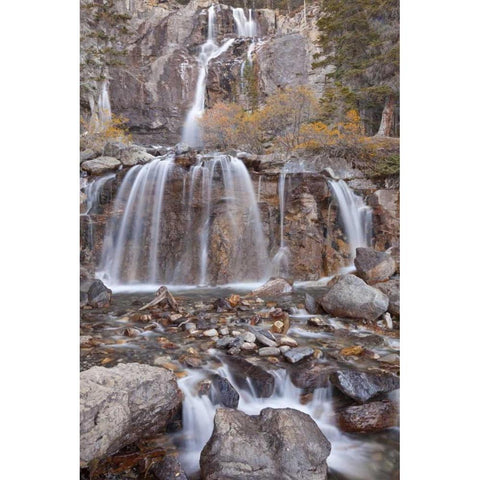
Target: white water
x,y
245,27
191,134
93,191
217,195
349,456
356,217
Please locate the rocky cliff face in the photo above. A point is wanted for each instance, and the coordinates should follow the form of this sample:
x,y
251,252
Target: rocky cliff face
x,y
155,85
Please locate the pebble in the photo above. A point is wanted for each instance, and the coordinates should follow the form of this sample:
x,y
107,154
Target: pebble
x,y
224,331
268,351
277,327
236,333
284,348
291,342
234,351
249,337
248,346
296,354
225,342
189,327
210,333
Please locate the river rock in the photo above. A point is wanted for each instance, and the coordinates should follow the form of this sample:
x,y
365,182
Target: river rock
x,y
311,304
99,296
269,352
264,337
362,386
212,332
277,444
244,371
168,469
296,354
274,287
351,297
370,417
249,337
122,404
373,266
311,375
223,392
182,149
101,165
391,288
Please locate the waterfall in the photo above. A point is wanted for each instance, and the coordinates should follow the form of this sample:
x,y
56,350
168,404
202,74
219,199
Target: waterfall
x,y
191,134
349,456
356,217
215,210
104,108
245,27
93,191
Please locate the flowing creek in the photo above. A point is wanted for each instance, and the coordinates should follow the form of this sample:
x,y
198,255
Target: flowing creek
x,y
372,456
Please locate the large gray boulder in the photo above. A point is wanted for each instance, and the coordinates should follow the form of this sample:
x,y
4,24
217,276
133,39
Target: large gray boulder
x,y
351,297
120,405
373,266
134,155
279,443
100,165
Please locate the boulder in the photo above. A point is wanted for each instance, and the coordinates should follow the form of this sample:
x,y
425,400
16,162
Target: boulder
x,y
134,155
278,443
362,386
311,375
122,404
311,304
351,297
245,373
391,288
373,266
99,296
274,287
88,154
114,149
370,417
100,165
182,149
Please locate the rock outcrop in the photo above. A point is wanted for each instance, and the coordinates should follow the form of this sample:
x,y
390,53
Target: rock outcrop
x,y
278,443
122,404
351,297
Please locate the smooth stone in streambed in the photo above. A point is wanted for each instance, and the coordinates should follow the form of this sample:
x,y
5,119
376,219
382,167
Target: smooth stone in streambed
x,y
274,287
210,333
224,342
277,444
122,404
249,337
310,375
291,342
362,386
99,296
250,347
264,337
351,297
269,352
296,354
284,348
369,417
373,266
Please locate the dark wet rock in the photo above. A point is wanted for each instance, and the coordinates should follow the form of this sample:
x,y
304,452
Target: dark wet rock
x,y
274,287
192,362
311,305
370,340
369,417
299,353
311,375
223,392
321,324
122,404
391,288
221,305
373,266
362,386
168,469
100,165
264,337
278,443
99,296
351,297
242,370
225,342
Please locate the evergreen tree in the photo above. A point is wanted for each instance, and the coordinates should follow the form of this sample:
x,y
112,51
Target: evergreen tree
x,y
360,39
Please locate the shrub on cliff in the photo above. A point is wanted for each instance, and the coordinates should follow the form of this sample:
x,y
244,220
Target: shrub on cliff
x,y
114,130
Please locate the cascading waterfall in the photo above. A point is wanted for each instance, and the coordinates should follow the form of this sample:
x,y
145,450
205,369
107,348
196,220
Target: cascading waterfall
x,y
216,210
191,134
349,456
356,217
245,27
